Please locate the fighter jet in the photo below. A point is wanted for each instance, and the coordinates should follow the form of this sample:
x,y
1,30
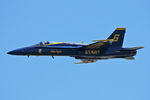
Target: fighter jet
x,y
88,53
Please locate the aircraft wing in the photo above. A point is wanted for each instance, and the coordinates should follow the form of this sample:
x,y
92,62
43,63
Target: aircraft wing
x,y
99,44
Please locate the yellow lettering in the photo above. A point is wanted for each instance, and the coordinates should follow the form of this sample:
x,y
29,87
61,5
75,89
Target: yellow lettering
x,y
116,37
55,51
92,51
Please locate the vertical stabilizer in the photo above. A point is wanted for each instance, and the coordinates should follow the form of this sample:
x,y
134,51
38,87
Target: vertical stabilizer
x,y
118,37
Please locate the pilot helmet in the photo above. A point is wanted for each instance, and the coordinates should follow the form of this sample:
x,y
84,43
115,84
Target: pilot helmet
x,y
41,43
47,42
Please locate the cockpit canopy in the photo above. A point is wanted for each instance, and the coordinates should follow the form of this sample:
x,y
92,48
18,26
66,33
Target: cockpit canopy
x,y
47,43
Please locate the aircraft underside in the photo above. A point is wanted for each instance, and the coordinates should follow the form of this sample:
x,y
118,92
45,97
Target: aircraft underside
x,y
92,59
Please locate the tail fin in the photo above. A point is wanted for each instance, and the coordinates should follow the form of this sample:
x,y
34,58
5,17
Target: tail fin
x,y
118,37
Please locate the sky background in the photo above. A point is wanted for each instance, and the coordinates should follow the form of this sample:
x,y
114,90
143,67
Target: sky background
x,y
27,22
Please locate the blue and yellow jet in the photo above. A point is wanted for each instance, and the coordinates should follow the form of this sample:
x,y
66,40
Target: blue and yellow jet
x,y
101,49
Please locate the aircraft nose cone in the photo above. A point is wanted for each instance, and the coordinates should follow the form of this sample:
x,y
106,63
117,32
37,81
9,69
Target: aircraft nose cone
x,y
21,51
9,52
15,52
12,52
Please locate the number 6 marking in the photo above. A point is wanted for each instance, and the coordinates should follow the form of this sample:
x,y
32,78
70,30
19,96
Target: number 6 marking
x,y
116,37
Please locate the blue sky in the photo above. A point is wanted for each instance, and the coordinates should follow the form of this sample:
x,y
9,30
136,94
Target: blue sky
x,y
27,22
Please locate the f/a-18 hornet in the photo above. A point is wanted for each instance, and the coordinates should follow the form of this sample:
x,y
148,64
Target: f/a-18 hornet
x,y
101,49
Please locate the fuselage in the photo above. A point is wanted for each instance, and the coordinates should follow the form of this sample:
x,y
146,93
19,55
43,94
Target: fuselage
x,y
67,49
112,47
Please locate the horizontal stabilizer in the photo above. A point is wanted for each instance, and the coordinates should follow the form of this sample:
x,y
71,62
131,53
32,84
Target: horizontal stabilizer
x,y
136,48
129,58
130,49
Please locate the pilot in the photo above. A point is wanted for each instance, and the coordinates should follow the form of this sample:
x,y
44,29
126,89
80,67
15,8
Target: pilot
x,y
41,43
46,42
